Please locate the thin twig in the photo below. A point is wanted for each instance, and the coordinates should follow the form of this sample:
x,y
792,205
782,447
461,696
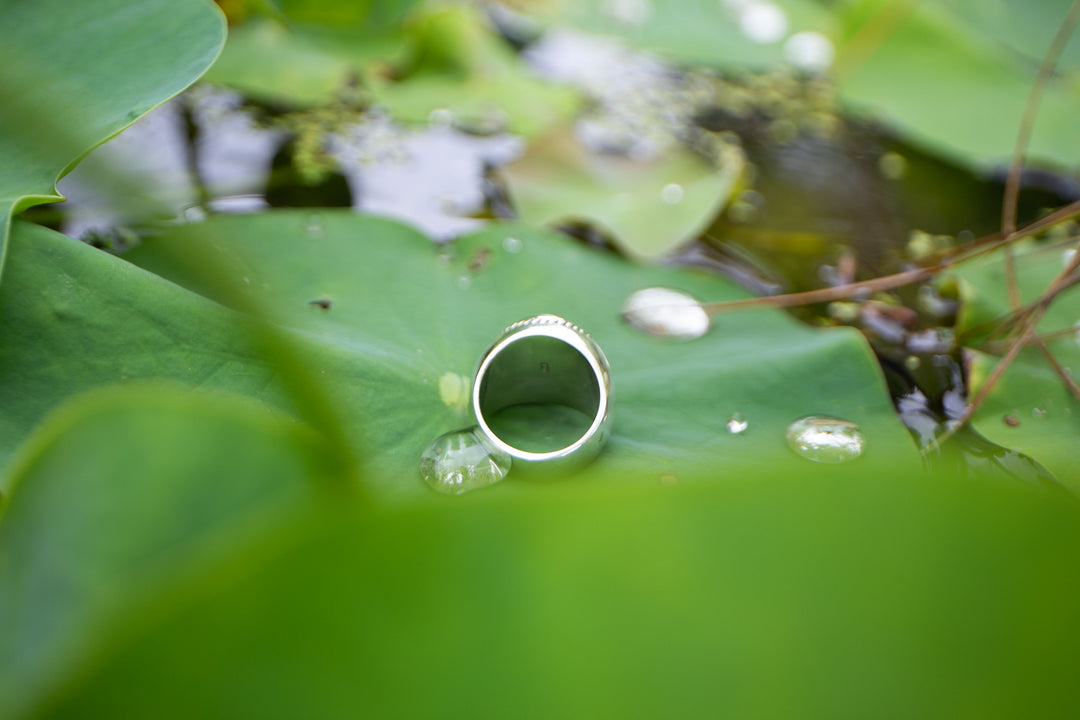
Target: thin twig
x,y
888,282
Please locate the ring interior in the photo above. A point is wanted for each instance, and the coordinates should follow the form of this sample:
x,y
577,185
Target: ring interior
x,y
539,370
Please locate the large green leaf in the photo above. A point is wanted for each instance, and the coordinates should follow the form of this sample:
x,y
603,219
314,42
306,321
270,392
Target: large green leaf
x,y
72,74
122,493
807,597
406,326
1030,409
953,89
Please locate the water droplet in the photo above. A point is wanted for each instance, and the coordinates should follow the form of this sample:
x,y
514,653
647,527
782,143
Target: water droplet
x,y
512,245
666,312
672,194
1011,420
762,22
892,165
825,439
630,12
737,424
809,50
314,225
441,117
462,460
1038,412
464,282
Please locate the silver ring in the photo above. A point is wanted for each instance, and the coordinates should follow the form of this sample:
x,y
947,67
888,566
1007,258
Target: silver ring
x,y
545,360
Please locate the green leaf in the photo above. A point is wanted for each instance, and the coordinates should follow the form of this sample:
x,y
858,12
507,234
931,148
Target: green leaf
x,y
406,321
688,30
76,73
444,57
955,91
1029,409
807,597
121,494
558,180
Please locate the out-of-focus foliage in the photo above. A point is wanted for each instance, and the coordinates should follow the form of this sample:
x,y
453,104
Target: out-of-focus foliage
x,y
74,74
443,57
219,590
649,208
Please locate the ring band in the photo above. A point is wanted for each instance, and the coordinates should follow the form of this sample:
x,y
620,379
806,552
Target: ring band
x,y
548,361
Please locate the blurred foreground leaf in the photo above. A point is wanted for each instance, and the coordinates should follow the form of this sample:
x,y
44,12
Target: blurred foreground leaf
x,y
405,323
806,596
72,74
122,495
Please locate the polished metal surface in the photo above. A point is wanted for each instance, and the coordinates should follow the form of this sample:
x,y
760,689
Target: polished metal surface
x,y
545,360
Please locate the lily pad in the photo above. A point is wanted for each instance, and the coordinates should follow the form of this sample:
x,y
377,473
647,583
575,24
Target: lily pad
x,y
1029,409
954,90
648,208
441,58
74,74
386,321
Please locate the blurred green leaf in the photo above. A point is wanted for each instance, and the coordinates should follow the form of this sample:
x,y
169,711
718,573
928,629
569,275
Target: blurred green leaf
x,y
121,495
443,57
954,90
407,322
73,74
559,180
803,597
1043,417
706,32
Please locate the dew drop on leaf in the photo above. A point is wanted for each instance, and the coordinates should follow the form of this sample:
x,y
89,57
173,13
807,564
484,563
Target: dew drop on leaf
x,y
825,439
461,461
667,313
737,424
672,194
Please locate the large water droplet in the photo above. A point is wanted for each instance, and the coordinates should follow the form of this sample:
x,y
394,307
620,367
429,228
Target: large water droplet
x,y
462,460
737,424
666,312
825,439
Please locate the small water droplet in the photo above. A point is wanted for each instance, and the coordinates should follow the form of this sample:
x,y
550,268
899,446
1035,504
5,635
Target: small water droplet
x,y
1038,412
1011,420
892,165
809,51
672,194
441,117
512,245
314,225
464,282
737,424
825,439
666,312
762,22
462,460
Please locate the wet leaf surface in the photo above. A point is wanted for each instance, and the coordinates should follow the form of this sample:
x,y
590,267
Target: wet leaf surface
x,y
403,314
